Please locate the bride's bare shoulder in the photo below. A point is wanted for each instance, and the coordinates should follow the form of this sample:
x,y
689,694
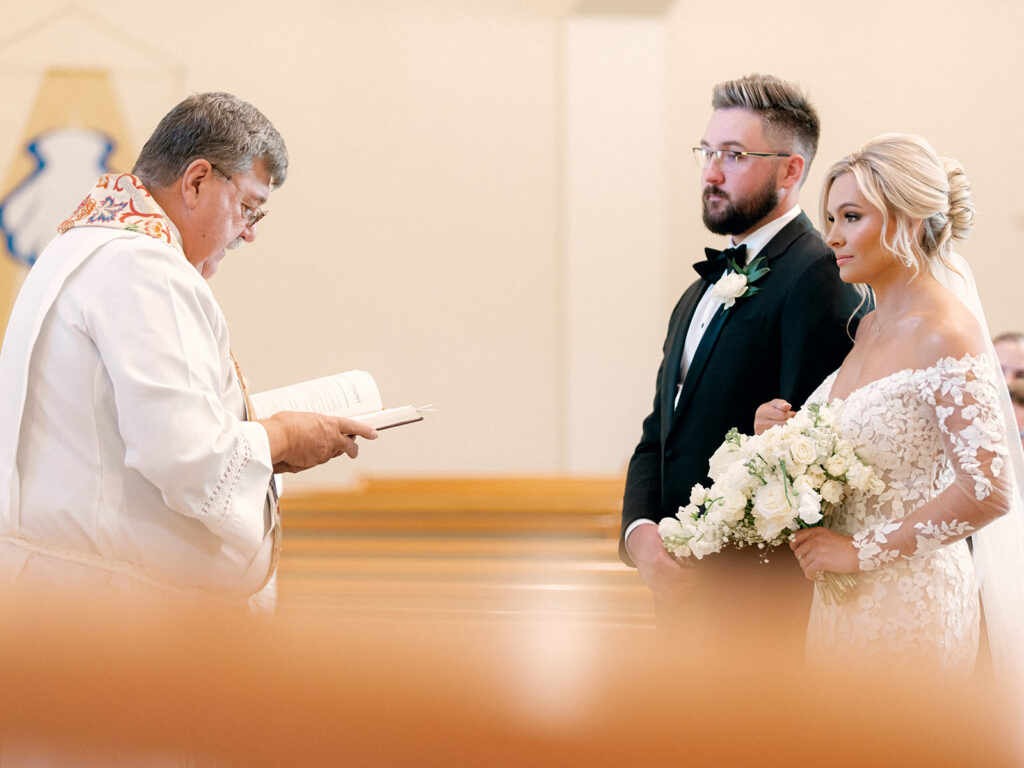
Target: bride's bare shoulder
x,y
946,328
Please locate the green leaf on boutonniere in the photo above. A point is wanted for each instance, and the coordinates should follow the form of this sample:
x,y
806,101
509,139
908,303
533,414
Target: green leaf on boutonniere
x,y
753,271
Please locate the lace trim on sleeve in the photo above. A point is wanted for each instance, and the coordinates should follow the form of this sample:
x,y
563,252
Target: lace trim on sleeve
x,y
934,535
869,545
872,554
968,413
978,425
218,505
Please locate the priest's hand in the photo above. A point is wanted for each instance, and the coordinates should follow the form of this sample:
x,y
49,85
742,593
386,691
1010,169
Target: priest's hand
x,y
771,414
300,440
665,575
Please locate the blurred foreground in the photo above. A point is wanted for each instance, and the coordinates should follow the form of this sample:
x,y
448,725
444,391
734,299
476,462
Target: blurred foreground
x,y
97,684
440,622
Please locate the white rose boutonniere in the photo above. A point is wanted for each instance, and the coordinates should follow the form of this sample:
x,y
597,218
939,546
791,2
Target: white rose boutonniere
x,y
729,288
739,283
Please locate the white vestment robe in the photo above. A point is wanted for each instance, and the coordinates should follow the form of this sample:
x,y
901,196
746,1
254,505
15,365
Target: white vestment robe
x,y
126,462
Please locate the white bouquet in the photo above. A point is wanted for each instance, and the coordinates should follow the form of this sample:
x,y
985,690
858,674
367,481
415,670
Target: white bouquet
x,y
766,487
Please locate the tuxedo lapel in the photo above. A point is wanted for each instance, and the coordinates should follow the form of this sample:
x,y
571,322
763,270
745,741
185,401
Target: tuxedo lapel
x,y
700,359
781,242
674,353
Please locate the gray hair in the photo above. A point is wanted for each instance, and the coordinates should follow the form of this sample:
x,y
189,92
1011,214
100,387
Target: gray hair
x,y
786,114
902,176
232,134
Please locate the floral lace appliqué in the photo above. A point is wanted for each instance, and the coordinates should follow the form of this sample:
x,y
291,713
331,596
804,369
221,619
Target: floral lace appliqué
x,y
934,535
869,546
923,431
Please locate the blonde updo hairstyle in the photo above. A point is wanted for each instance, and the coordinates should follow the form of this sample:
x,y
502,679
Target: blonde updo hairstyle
x,y
924,199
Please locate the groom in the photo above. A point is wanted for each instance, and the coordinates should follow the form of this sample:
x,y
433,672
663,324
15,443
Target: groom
x,y
720,363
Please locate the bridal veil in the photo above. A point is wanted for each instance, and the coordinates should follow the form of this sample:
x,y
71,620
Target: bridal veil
x,y
999,546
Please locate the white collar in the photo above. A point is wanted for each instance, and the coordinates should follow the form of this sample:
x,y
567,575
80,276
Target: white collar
x,y
763,235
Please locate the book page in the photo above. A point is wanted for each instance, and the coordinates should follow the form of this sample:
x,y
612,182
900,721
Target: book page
x,y
344,394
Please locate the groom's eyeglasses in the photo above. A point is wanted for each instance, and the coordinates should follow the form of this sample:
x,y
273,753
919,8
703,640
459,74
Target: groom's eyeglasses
x,y
730,160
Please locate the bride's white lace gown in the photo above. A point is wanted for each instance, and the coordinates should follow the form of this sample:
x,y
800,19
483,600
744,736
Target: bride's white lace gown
x,y
937,438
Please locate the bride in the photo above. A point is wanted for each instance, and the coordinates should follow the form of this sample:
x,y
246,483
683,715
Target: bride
x,y
924,403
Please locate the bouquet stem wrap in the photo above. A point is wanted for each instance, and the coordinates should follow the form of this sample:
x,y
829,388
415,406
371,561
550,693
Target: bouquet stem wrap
x,y
834,587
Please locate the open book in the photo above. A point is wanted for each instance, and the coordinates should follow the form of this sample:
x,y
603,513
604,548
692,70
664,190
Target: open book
x,y
353,394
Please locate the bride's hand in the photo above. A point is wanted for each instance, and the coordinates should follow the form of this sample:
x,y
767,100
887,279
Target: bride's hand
x,y
821,549
772,413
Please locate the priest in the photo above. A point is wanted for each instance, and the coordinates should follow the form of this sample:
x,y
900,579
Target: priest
x,y
128,463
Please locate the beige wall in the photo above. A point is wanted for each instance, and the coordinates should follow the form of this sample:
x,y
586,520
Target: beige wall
x,y
418,234
421,234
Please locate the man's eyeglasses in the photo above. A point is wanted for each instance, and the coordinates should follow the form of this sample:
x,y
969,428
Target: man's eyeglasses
x,y
731,160
252,213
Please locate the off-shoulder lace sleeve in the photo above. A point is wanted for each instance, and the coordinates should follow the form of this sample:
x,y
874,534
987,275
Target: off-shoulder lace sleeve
x,y
965,398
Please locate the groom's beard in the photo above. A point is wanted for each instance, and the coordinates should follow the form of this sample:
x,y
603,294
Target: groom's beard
x,y
740,216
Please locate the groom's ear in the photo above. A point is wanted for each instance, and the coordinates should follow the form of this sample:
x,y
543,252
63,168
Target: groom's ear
x,y
792,171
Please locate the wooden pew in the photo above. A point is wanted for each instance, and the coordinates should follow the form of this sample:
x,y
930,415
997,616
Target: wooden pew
x,y
462,549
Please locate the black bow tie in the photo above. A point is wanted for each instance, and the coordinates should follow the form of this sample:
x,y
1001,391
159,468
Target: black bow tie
x,y
717,261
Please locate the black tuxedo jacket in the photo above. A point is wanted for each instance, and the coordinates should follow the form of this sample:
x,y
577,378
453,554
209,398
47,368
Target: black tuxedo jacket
x,y
780,342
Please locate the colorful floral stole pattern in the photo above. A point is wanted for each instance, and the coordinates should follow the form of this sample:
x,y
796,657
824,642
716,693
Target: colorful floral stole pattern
x,y
119,201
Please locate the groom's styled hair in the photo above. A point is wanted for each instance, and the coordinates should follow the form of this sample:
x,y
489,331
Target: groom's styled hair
x,y
786,114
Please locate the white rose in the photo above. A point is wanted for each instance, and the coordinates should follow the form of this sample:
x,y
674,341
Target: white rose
x,y
670,527
809,507
729,288
803,450
803,484
816,475
826,447
674,536
707,541
858,476
794,470
771,444
750,446
698,495
832,491
836,465
801,422
737,478
772,510
732,506
721,460
828,417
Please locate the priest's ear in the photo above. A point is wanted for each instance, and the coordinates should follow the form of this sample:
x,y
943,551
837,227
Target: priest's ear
x,y
792,171
192,181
